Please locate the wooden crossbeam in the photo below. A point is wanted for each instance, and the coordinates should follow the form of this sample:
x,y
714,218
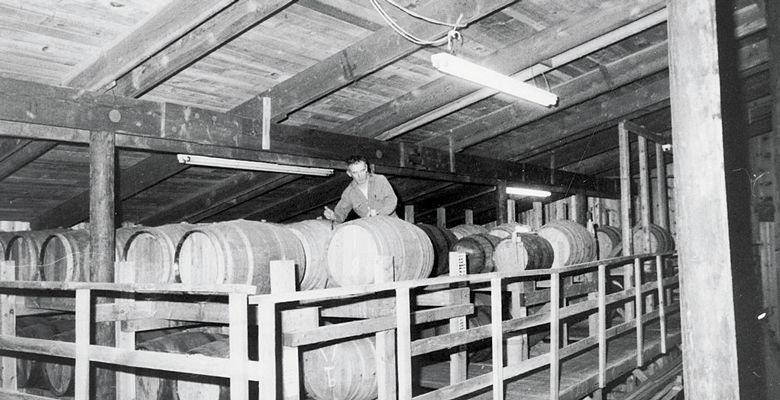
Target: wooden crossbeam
x,y
511,59
365,56
644,132
316,196
170,127
165,26
28,152
132,180
205,38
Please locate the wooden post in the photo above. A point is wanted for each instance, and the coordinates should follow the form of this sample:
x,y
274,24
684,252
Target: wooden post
x,y
501,198
409,214
83,322
662,213
125,338
773,32
458,360
602,335
538,217
721,359
561,209
511,214
239,345
386,340
638,303
441,217
645,202
8,325
468,216
497,338
579,209
403,325
659,276
102,155
555,340
625,210
265,142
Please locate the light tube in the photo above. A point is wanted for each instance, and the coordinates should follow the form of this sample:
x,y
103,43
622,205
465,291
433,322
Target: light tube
x,y
459,67
251,165
527,192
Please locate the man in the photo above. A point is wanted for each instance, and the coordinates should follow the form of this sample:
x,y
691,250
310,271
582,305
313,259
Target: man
x,y
368,194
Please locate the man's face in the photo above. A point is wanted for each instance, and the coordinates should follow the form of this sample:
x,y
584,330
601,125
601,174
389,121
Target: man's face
x,y
358,172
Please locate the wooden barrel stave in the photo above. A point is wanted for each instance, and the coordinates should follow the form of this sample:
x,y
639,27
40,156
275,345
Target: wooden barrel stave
x,y
64,256
442,240
152,250
608,240
479,252
315,236
530,252
345,370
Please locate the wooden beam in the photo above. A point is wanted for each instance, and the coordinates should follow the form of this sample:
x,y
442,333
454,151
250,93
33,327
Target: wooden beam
x,y
168,127
28,153
316,196
133,180
236,189
587,86
322,6
772,10
240,16
365,56
166,25
501,198
713,238
522,54
645,133
102,155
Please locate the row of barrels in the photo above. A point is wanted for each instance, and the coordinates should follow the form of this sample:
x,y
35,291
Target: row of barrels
x,y
610,243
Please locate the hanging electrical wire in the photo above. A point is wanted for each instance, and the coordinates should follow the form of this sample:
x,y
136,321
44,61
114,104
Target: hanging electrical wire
x,y
451,36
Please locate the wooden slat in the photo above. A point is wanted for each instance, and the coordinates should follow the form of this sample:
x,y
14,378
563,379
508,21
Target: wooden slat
x,y
497,337
240,16
602,328
168,24
662,212
659,276
238,346
365,56
555,366
81,348
313,197
404,339
640,341
521,54
625,208
23,156
646,133
8,326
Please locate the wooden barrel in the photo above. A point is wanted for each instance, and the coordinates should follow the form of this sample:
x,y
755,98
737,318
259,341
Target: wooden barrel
x,y
4,238
152,250
504,231
442,240
236,252
526,251
464,230
345,371
571,242
357,245
207,388
29,370
23,248
479,252
661,240
163,385
609,242
315,236
64,256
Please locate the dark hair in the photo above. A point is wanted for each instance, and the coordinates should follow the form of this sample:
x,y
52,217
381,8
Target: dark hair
x,y
356,158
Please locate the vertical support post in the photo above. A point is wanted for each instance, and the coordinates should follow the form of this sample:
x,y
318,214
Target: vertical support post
x,y
125,381
538,218
645,201
662,214
441,217
8,326
404,324
511,214
602,335
496,310
625,210
266,119
719,332
238,345
102,155
267,343
409,214
458,360
579,209
501,198
561,209
555,338
83,320
638,303
659,276
386,340
468,216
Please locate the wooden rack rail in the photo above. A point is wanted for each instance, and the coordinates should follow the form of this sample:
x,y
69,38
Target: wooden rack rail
x,y
279,353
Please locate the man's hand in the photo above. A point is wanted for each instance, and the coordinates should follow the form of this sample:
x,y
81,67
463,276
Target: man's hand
x,y
329,214
372,212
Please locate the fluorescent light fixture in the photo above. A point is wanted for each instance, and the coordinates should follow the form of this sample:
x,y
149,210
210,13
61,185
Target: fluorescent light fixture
x,y
527,192
251,165
459,67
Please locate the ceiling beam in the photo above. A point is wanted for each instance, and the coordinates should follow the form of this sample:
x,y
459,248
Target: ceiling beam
x,y
197,43
364,57
23,155
168,127
232,191
316,196
582,88
157,31
144,174
525,53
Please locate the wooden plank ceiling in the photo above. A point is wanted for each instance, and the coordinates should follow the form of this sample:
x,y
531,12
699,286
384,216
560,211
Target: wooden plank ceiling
x,y
334,66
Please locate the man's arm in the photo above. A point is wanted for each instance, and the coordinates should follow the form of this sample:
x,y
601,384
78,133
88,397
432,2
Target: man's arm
x,y
385,196
342,209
